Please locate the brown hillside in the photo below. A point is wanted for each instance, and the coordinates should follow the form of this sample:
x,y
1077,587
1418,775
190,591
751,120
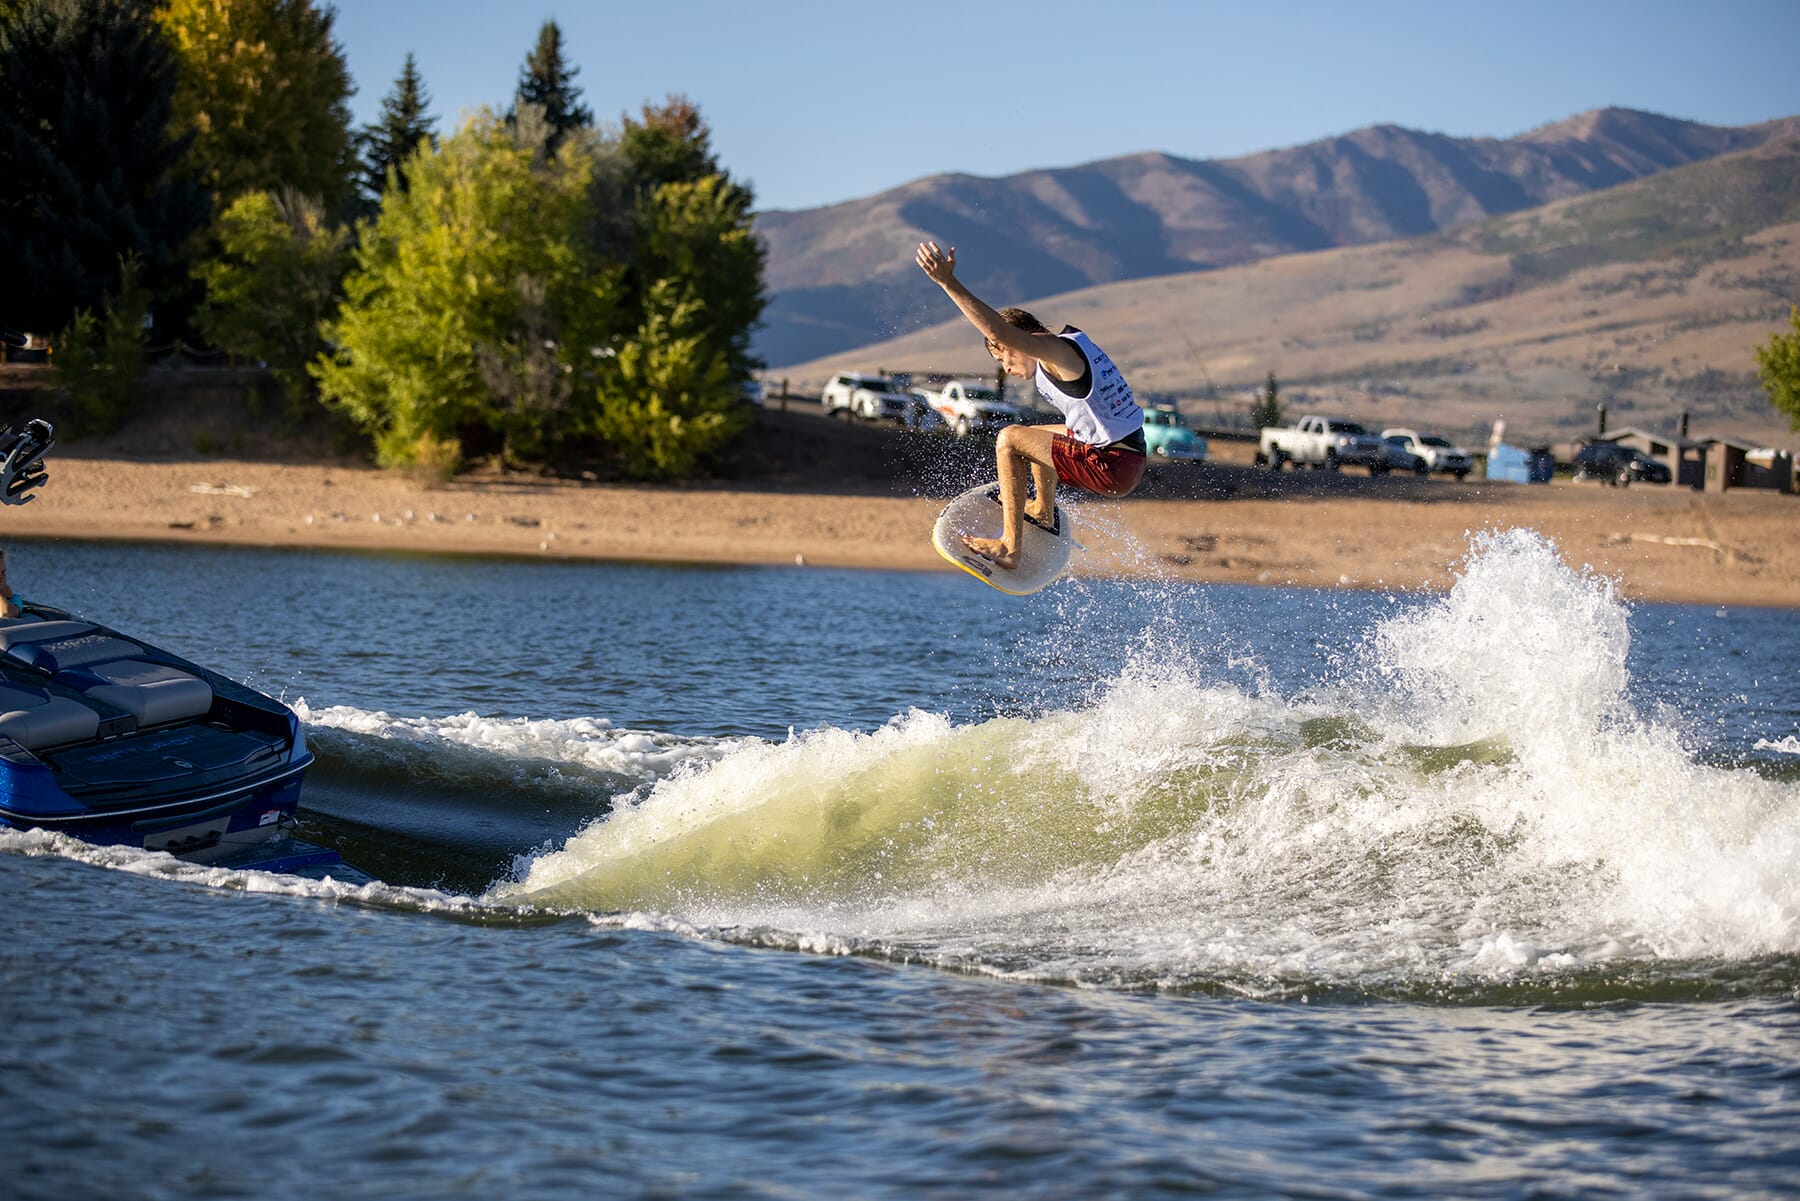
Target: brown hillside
x,y
1647,298
839,277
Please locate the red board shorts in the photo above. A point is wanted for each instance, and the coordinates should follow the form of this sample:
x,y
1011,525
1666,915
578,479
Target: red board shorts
x,y
1109,470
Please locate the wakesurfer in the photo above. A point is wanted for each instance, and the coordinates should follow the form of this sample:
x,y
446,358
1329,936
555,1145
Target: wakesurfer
x,y
1099,448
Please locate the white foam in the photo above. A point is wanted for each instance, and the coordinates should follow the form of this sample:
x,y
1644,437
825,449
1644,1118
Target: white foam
x,y
1482,801
588,742
1474,798
138,862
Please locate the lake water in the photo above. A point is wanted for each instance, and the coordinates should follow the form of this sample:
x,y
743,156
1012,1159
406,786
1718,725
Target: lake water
x,y
785,882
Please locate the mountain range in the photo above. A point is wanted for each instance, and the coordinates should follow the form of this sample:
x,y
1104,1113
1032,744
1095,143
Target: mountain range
x,y
842,277
1648,298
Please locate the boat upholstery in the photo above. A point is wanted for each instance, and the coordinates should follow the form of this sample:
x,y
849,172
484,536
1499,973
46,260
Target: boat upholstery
x,y
152,692
34,719
18,631
109,669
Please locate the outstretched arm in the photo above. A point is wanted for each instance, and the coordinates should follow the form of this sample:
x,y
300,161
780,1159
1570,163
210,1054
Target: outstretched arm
x,y
1058,357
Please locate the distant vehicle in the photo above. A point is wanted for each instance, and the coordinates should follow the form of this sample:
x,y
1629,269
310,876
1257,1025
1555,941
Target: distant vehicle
x,y
1618,465
1328,442
922,416
871,397
1167,436
1400,456
973,408
1440,454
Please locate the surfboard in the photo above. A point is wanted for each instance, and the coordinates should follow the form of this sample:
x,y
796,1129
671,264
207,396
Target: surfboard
x,y
1043,551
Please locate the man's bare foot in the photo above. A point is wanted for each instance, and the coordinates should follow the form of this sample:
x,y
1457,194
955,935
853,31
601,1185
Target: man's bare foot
x,y
1042,512
994,551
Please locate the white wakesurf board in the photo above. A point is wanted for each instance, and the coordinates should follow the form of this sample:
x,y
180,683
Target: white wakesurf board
x,y
1043,552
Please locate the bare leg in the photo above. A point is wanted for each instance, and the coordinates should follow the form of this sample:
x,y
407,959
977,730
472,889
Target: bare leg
x,y
1043,480
1020,448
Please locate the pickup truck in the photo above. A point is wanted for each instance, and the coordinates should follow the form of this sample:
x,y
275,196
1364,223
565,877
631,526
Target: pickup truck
x,y
1440,454
1327,442
868,396
969,408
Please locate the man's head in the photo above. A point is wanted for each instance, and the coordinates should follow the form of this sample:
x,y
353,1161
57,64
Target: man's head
x,y
1018,318
1011,361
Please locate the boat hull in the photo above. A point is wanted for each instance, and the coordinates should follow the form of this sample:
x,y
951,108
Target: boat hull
x,y
119,743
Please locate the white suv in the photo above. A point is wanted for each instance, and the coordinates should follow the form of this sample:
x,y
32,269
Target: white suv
x,y
1439,454
872,397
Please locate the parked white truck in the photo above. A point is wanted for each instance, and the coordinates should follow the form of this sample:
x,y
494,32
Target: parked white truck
x,y
1328,442
969,408
1440,454
871,397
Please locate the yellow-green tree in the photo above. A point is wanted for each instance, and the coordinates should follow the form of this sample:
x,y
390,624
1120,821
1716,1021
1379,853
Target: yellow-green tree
x,y
478,263
1778,365
668,402
274,283
264,88
535,302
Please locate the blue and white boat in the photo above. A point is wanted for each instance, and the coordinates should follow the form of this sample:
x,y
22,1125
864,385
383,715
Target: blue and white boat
x,y
117,742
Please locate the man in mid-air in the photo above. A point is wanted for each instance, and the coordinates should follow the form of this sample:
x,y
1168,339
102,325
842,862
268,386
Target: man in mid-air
x,y
1101,445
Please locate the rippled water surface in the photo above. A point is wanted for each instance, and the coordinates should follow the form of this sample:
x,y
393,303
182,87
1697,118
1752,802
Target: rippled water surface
x,y
749,882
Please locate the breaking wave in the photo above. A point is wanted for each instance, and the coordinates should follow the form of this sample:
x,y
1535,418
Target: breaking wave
x,y
1402,826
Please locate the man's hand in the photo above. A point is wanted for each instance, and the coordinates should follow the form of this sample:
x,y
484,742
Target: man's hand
x,y
940,265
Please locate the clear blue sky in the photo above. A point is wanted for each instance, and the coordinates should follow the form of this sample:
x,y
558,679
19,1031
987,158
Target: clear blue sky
x,y
818,101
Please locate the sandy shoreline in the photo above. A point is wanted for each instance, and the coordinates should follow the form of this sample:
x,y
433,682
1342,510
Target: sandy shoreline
x,y
1661,544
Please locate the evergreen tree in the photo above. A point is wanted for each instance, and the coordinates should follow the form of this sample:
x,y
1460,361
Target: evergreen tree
x,y
1778,365
265,89
100,360
668,401
670,144
89,171
1267,410
547,84
395,137
695,239
693,227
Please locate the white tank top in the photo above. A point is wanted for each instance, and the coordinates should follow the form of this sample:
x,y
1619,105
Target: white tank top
x,y
1108,411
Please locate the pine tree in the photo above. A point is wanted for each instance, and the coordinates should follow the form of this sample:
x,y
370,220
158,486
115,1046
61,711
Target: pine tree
x,y
1267,410
548,84
395,137
670,144
694,224
92,175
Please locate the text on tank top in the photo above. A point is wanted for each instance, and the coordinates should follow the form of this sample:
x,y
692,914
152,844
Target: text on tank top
x,y
1107,411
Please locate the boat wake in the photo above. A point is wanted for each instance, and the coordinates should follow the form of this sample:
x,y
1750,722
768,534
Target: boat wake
x,y
1512,829
1398,828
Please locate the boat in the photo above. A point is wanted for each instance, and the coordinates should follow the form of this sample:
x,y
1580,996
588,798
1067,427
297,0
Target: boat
x,y
117,742
121,743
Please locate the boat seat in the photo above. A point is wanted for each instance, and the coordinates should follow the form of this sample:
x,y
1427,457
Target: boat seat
x,y
108,669
34,719
17,631
53,646
152,692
